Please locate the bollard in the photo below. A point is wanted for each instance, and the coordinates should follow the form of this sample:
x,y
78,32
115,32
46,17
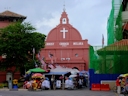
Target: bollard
x,y
10,83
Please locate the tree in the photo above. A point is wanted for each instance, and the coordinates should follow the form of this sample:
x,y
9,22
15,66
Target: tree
x,y
17,41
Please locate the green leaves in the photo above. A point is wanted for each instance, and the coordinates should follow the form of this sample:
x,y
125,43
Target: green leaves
x,y
17,40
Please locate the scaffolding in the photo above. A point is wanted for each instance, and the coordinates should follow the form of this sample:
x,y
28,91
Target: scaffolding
x,y
114,24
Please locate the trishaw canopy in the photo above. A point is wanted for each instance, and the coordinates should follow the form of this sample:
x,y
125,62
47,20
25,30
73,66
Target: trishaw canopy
x,y
37,75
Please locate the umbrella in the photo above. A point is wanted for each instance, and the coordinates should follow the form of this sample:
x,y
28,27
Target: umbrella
x,y
125,75
83,72
121,75
37,75
36,70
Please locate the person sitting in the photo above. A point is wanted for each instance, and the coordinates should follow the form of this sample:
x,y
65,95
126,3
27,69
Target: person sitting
x,y
66,83
70,82
58,83
46,84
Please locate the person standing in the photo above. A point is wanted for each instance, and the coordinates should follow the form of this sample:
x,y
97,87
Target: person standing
x,y
85,81
118,85
58,83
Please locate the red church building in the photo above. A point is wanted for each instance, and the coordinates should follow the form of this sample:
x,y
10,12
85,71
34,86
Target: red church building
x,y
65,44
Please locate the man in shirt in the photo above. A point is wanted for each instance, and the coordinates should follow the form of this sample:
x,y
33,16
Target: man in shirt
x,y
46,84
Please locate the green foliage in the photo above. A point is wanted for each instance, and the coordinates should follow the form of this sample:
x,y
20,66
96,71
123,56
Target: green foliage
x,y
1,85
20,84
17,41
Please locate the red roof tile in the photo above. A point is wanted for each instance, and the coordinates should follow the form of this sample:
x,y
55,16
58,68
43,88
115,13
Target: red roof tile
x,y
11,14
123,42
121,45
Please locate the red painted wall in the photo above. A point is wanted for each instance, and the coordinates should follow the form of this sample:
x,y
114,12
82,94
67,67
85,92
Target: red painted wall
x,y
3,76
4,23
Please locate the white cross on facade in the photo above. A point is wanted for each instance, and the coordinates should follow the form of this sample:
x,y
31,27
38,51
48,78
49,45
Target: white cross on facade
x,y
64,31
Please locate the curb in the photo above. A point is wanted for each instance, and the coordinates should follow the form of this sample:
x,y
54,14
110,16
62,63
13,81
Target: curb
x,y
13,90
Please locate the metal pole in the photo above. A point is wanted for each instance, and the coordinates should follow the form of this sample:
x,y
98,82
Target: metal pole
x,y
63,81
33,57
33,53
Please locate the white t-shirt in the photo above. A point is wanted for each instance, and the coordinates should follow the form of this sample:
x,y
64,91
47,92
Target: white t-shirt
x,y
46,83
58,83
68,83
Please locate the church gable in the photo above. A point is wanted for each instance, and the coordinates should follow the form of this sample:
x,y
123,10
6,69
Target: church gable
x,y
64,32
75,34
52,35
65,35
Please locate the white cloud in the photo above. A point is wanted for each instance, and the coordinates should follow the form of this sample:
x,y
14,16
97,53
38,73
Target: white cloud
x,y
87,16
49,22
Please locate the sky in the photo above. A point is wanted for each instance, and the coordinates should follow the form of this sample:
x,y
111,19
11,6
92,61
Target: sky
x,y
89,17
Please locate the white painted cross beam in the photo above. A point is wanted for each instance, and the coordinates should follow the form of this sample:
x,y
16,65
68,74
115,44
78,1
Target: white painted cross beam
x,y
64,31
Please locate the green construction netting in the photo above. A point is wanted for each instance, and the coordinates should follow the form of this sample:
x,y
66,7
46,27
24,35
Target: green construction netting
x,y
110,59
114,25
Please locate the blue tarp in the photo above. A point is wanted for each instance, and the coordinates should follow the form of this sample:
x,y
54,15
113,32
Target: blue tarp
x,y
83,72
56,73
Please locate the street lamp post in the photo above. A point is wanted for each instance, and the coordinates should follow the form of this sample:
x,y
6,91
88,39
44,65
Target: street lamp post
x,y
33,57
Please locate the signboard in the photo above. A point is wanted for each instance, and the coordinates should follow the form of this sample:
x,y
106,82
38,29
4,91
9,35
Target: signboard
x,y
78,43
50,44
64,43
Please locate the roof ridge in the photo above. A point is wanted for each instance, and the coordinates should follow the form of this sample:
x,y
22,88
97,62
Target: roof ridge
x,y
8,13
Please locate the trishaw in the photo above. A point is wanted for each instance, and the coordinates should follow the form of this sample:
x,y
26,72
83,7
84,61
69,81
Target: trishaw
x,y
35,82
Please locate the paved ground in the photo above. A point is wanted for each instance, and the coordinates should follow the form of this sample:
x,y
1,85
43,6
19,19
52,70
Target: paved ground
x,y
82,92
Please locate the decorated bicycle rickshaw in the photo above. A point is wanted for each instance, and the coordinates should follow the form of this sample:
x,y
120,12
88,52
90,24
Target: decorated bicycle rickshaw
x,y
36,78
